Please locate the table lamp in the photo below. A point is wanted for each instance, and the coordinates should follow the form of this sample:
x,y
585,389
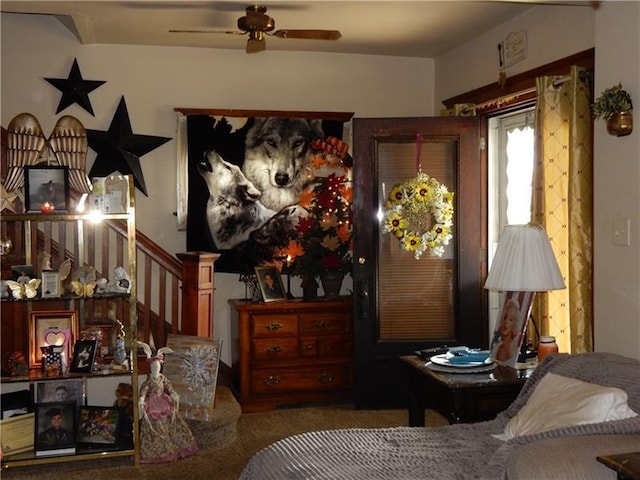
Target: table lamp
x,y
524,262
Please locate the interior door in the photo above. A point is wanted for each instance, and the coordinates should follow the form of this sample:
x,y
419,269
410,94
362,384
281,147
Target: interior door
x,y
402,304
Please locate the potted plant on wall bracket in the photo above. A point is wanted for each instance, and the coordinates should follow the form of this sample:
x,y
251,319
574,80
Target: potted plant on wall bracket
x,y
614,105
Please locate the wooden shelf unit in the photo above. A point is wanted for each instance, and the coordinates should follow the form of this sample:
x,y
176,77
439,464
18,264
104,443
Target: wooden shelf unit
x,y
15,313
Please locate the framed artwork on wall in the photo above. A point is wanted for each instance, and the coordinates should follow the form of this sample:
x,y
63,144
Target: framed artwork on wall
x,y
259,163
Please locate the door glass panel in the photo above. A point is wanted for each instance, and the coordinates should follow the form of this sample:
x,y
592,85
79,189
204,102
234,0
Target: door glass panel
x,y
416,297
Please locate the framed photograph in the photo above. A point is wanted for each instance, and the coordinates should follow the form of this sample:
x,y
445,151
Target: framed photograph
x,y
98,426
55,428
54,327
270,284
510,328
84,354
46,185
62,390
16,434
22,273
193,372
50,286
100,333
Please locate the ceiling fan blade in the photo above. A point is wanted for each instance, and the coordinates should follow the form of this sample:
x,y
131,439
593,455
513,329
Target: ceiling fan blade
x,y
206,30
256,42
308,34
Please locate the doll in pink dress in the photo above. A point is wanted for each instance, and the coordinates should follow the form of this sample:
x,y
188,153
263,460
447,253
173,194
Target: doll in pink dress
x,y
164,435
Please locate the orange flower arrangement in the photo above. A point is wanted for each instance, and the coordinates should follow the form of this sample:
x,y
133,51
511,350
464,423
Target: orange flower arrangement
x,y
324,235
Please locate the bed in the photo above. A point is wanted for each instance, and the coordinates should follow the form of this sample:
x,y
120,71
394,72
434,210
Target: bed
x,y
482,450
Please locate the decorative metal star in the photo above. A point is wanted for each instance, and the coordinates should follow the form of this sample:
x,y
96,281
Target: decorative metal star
x,y
119,148
7,199
75,89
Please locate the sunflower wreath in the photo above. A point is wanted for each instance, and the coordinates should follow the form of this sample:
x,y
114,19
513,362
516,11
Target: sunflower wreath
x,y
419,212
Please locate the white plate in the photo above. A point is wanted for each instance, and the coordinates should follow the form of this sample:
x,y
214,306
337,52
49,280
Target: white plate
x,y
456,369
443,360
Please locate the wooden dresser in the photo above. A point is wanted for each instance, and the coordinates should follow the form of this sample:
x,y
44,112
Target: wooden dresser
x,y
292,352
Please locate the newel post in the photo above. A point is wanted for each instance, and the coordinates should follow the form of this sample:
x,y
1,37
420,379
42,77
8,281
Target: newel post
x,y
197,293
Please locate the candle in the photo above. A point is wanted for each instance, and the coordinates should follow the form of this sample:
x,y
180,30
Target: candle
x,y
47,207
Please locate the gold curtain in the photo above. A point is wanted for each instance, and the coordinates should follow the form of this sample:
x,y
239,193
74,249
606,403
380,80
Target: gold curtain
x,y
563,204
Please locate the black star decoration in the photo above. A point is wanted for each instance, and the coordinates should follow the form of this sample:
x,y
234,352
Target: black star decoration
x,y
75,89
119,148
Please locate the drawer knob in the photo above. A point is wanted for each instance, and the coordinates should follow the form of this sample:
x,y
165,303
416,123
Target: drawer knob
x,y
272,380
321,324
274,326
274,349
309,346
325,378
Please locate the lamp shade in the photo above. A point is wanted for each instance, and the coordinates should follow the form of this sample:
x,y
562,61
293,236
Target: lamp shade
x,y
524,261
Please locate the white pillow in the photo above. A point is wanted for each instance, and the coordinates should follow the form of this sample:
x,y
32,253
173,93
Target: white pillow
x,y
559,402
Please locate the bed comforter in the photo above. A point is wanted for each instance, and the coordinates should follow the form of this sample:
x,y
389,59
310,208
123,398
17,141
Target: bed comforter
x,y
463,451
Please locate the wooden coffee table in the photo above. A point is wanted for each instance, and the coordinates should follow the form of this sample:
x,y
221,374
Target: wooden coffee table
x,y
460,397
627,465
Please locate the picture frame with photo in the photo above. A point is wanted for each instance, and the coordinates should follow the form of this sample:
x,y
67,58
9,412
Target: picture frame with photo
x,y
55,428
16,434
84,356
62,390
511,326
51,327
271,285
50,286
22,273
100,333
99,427
46,184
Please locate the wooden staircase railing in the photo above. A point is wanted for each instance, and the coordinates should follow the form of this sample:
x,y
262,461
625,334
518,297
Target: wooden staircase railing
x,y
166,303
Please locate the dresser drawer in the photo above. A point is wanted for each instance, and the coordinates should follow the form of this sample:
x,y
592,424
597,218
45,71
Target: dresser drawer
x,y
271,325
305,378
274,348
324,323
326,346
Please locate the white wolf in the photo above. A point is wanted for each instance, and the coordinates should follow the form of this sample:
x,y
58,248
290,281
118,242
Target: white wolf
x,y
277,158
234,210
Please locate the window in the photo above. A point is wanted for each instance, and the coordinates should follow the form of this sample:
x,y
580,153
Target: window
x,y
511,144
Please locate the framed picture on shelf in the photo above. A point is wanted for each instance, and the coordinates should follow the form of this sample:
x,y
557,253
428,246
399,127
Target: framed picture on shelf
x,y
51,327
100,333
62,390
46,189
16,434
55,428
270,284
84,354
22,273
98,427
50,286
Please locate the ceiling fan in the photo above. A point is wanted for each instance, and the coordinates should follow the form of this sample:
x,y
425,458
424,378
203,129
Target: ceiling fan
x,y
256,24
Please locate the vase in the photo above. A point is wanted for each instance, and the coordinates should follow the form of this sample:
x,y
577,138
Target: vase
x,y
331,283
620,124
309,288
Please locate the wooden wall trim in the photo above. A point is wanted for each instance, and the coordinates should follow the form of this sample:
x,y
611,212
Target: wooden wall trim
x,y
524,81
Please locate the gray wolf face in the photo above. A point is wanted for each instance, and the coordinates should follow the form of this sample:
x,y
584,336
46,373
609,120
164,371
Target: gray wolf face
x,y
277,158
234,210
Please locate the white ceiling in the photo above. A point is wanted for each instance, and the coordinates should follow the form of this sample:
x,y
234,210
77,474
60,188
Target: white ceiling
x,y
417,28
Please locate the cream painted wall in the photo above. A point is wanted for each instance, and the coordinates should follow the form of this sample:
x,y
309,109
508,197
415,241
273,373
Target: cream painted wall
x,y
552,33
154,80
614,30
617,185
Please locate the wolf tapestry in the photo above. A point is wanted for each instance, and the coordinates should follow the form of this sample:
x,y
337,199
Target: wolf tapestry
x,y
245,174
